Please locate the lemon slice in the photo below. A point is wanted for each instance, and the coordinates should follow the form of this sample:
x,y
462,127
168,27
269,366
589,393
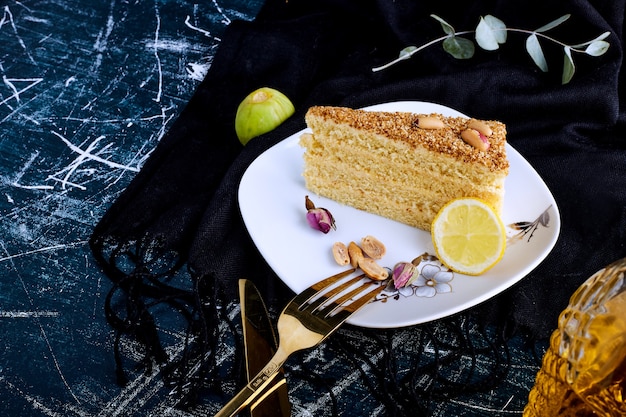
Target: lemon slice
x,y
468,235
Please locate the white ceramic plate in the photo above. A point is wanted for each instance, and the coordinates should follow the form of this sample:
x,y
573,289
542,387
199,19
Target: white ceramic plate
x,y
271,199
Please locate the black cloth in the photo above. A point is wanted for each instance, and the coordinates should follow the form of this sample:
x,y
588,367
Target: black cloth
x,y
180,213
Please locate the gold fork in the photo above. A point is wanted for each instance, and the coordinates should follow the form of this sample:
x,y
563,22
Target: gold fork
x,y
309,318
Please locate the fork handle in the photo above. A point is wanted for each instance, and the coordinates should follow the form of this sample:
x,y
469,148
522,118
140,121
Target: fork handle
x,y
237,403
255,387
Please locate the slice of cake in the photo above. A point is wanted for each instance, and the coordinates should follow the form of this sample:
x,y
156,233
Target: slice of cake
x,y
403,166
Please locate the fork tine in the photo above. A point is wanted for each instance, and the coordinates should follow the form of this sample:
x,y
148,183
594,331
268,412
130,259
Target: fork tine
x,y
323,298
306,295
337,314
339,305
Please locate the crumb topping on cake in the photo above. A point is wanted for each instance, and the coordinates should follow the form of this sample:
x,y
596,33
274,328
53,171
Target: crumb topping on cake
x,y
402,126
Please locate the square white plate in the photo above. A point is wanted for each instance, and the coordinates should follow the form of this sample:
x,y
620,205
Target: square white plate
x,y
271,200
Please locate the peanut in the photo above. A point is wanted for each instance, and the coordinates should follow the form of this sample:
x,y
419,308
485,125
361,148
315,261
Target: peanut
x,y
430,122
355,253
474,138
481,127
373,247
372,269
340,253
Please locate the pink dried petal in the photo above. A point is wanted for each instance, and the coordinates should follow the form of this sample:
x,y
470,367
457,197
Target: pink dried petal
x,y
403,273
320,219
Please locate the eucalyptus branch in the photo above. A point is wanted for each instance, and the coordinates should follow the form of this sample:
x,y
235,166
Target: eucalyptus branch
x,y
491,32
408,52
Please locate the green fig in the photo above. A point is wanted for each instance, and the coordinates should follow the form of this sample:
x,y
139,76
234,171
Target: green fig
x,y
260,112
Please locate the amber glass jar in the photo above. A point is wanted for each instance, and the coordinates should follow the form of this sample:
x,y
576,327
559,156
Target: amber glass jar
x,y
583,372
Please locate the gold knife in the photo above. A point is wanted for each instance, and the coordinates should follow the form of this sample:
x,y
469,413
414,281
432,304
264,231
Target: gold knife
x,y
260,344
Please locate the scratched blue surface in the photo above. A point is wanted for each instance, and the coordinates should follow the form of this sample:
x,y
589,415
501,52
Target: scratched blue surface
x,y
88,88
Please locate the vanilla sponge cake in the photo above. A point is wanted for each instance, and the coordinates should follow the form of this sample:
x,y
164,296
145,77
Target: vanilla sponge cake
x,y
400,165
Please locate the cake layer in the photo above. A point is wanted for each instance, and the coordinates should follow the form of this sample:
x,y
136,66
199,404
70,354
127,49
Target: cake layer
x,y
401,164
384,163
320,176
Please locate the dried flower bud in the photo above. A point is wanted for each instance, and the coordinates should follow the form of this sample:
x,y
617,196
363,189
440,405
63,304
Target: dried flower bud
x,y
404,273
319,218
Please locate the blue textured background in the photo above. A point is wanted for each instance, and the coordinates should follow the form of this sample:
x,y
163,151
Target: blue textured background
x,y
88,88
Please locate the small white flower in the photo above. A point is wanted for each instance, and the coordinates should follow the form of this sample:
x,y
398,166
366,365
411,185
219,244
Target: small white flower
x,y
432,280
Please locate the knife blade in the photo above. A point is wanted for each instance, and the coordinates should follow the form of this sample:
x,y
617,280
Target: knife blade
x,y
259,346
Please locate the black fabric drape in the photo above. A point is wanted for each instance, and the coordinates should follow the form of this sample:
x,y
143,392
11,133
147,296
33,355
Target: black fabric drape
x,y
180,212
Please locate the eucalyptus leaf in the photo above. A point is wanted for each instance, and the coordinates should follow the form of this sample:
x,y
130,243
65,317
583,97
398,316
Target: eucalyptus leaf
x,y
490,33
447,27
603,36
599,38
459,48
407,52
536,53
568,66
553,24
498,27
597,48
